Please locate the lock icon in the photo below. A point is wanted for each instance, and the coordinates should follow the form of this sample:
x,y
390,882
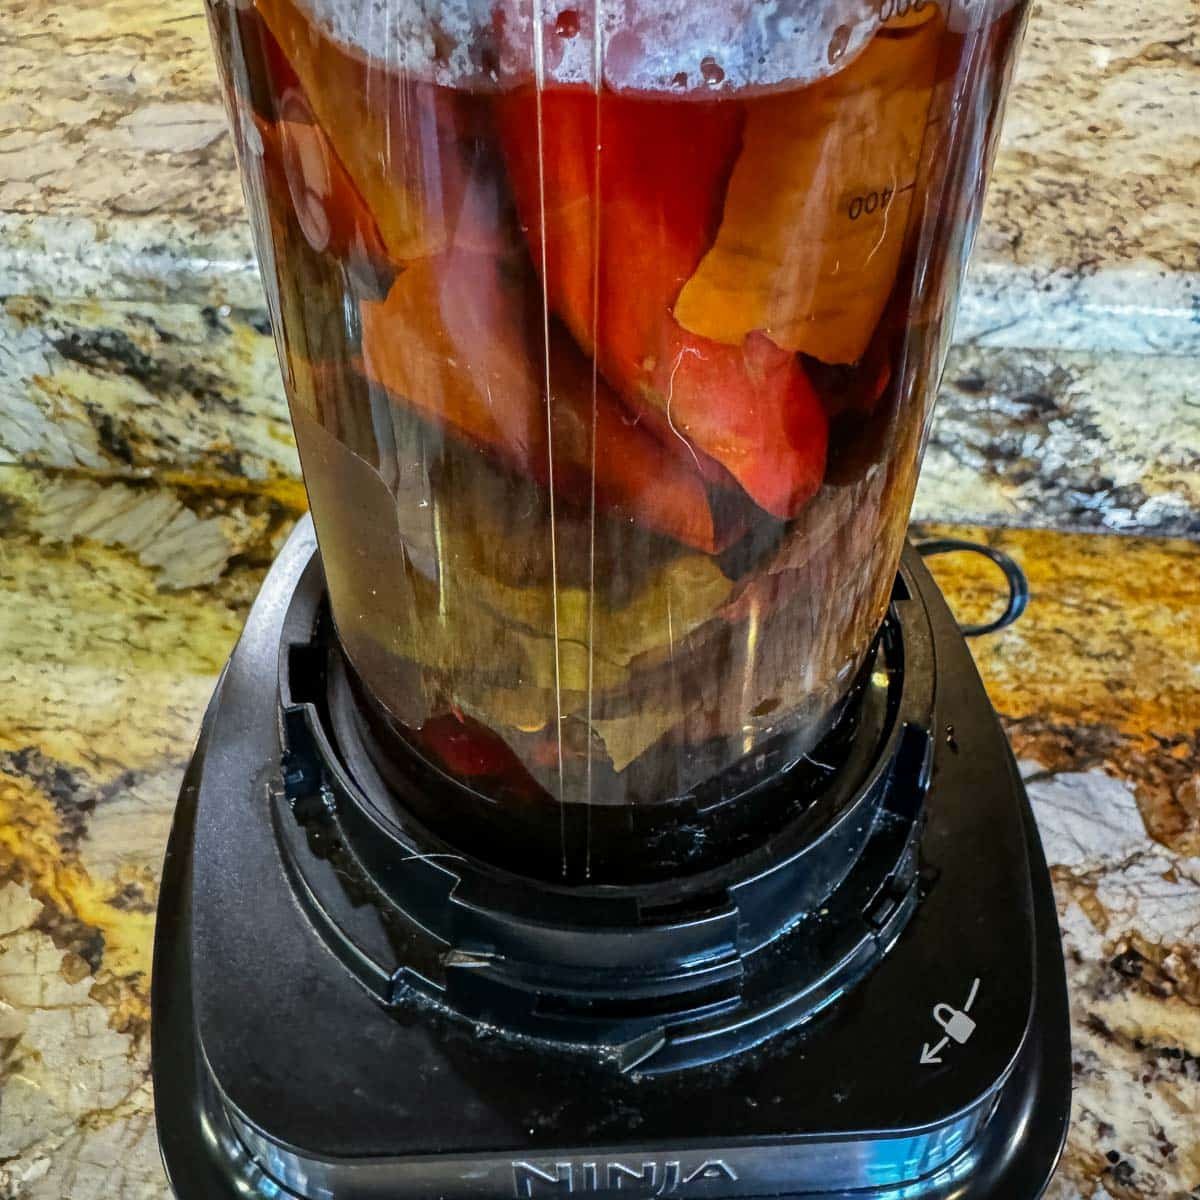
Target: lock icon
x,y
957,1024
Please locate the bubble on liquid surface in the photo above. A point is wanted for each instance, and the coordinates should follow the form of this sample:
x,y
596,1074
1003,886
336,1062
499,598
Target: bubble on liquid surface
x,y
838,43
711,71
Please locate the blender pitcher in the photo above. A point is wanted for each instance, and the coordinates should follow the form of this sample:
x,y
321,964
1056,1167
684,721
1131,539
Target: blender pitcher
x,y
610,331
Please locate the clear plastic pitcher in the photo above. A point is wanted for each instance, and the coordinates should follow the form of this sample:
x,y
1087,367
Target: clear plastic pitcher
x,y
610,331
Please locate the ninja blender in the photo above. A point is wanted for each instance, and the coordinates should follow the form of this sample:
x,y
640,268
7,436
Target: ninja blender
x,y
601,796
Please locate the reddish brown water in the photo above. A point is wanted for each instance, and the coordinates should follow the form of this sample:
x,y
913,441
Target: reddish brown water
x,y
611,404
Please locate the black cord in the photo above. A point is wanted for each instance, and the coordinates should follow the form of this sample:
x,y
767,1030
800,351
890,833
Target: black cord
x,y
1018,585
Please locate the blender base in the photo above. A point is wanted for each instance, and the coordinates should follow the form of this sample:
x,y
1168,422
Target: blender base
x,y
943,1070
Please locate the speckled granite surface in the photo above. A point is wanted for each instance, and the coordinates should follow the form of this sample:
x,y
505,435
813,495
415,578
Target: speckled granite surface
x,y
109,657
112,115
1072,399
116,171
107,668
1069,440
1098,688
135,389
139,393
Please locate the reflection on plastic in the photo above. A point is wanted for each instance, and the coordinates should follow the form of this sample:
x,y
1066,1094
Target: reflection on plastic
x,y
610,354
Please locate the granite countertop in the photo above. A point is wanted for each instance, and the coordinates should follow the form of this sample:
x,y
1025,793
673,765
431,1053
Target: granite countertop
x,y
151,476
134,341
117,178
107,673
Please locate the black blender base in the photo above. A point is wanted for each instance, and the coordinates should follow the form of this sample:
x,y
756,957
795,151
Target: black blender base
x,y
945,1071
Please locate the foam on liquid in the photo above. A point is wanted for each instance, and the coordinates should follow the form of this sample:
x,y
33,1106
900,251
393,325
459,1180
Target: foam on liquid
x,y
681,46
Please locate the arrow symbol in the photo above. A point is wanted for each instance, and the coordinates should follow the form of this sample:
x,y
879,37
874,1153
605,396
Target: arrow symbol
x,y
930,1057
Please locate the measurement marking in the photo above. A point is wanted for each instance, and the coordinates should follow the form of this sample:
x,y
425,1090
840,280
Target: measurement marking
x,y
875,200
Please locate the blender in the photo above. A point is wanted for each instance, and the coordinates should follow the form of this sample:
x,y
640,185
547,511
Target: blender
x,y
601,797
